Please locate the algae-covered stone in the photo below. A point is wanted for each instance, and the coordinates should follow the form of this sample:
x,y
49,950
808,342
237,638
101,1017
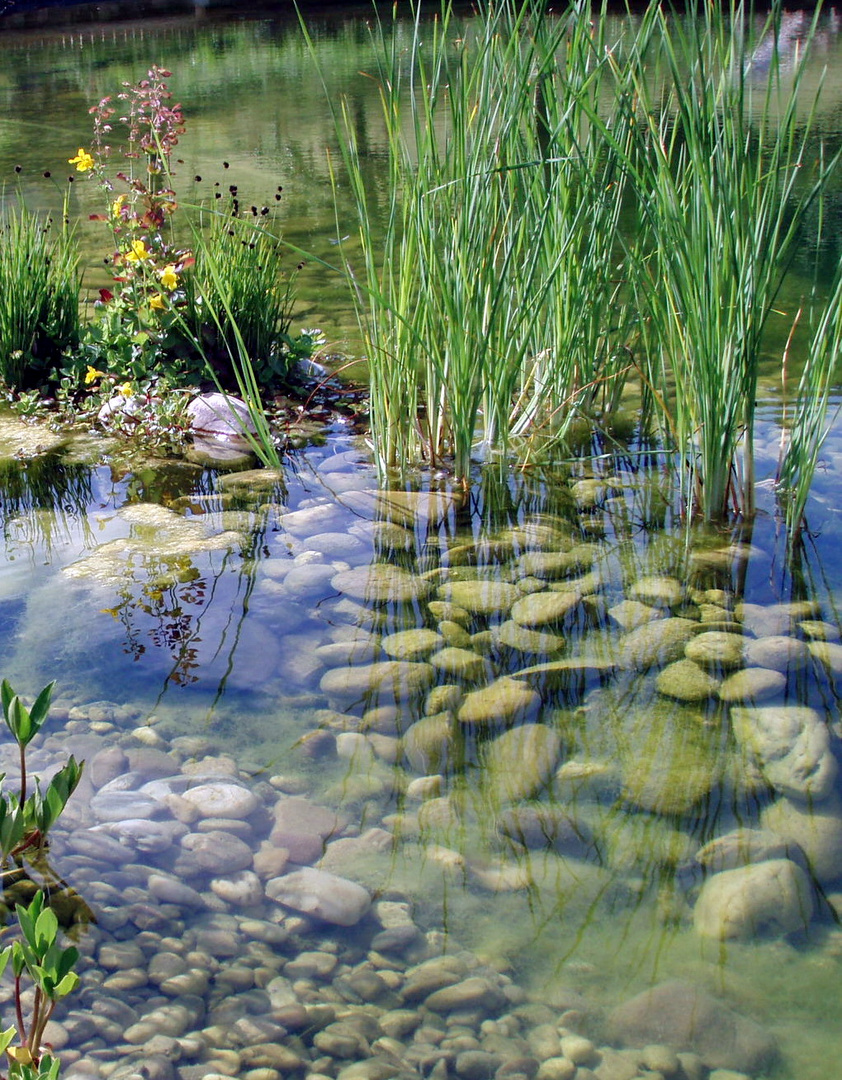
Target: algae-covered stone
x,y
412,644
541,825
752,684
428,744
520,762
502,701
657,591
791,746
772,897
459,663
829,654
686,681
402,507
818,630
481,597
817,830
570,673
395,680
656,643
686,1017
631,613
381,583
716,649
778,653
556,564
543,608
519,638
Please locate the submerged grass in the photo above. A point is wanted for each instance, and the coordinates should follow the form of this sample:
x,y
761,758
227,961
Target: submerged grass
x,y
564,208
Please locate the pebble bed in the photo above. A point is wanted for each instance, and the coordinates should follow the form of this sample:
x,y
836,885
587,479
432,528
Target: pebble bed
x,y
519,711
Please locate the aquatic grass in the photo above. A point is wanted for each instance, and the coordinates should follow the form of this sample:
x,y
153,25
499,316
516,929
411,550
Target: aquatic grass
x,y
724,182
811,421
238,280
40,285
500,233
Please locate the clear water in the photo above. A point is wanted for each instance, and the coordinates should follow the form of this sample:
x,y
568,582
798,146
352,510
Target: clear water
x,y
196,605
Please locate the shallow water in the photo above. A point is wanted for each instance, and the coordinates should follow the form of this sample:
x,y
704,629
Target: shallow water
x,y
207,618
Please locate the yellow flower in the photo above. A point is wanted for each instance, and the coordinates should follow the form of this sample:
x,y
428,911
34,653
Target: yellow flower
x,y
117,205
169,278
126,390
91,375
157,302
83,161
138,253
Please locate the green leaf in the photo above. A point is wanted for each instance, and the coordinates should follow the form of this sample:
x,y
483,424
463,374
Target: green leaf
x,y
19,722
6,1038
6,695
66,986
38,712
46,928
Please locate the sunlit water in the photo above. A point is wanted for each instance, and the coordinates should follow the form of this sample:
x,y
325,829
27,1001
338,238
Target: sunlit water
x,y
199,616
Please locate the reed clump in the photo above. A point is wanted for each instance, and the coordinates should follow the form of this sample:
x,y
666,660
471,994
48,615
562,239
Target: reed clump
x,y
575,205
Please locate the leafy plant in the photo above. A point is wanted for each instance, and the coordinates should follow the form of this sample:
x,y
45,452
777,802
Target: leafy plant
x,y
50,969
37,954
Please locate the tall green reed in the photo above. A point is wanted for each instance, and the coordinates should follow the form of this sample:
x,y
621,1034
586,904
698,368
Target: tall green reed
x,y
40,286
810,417
499,233
724,180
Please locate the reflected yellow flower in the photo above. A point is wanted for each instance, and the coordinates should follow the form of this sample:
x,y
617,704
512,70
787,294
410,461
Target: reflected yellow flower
x,y
157,302
83,161
138,253
169,278
91,375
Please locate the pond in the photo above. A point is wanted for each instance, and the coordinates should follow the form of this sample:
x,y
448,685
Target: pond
x,y
535,781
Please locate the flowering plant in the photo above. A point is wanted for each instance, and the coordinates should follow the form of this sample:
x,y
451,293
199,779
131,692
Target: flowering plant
x,y
137,317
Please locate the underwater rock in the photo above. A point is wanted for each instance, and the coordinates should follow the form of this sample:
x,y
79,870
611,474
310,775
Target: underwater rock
x,y
656,643
777,652
541,609
303,828
520,639
716,649
321,895
312,520
684,680
501,702
752,684
629,614
221,800
829,654
817,830
520,762
541,825
766,620
743,847
381,583
405,508
481,597
685,1017
551,565
381,682
790,744
428,744
461,663
414,644
657,591
569,673
767,897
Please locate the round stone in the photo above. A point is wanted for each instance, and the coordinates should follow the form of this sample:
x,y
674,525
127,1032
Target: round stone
x,y
381,583
412,644
752,684
658,591
502,701
459,663
543,608
779,653
221,800
684,680
716,649
481,597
